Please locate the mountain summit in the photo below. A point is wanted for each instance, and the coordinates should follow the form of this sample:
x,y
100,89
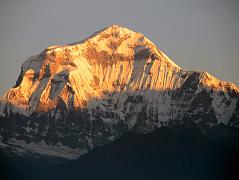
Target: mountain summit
x,y
88,93
106,62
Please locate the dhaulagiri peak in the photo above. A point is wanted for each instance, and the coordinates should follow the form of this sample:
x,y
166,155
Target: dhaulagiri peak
x,y
115,59
115,81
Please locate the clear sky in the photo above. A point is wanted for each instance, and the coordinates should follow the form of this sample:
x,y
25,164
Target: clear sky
x,y
197,34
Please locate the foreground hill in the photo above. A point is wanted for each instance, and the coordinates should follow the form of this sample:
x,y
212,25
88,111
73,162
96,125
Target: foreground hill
x,y
175,153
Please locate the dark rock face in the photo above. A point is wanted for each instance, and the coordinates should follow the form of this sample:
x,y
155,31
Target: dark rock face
x,y
234,121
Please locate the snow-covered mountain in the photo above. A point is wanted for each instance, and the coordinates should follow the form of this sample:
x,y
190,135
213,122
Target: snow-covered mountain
x,y
74,97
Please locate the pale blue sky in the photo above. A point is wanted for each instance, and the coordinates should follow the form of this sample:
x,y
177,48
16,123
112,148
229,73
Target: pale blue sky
x,y
197,34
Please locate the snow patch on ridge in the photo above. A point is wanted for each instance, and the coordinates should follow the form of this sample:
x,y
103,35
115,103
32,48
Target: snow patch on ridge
x,y
41,148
